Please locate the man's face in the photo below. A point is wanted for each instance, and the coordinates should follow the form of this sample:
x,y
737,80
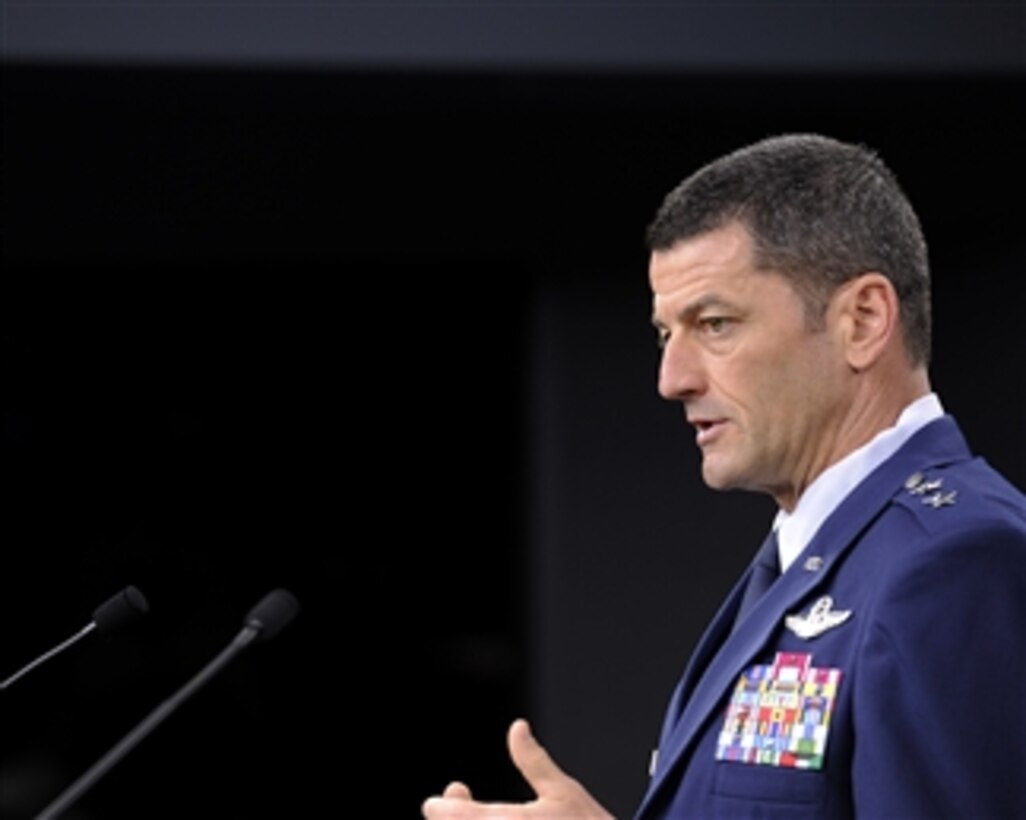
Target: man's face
x,y
764,392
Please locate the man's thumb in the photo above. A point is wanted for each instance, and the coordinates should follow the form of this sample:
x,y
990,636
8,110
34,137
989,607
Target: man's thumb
x,y
534,763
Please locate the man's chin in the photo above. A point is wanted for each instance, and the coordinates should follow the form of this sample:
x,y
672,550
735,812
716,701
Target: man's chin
x,y
716,477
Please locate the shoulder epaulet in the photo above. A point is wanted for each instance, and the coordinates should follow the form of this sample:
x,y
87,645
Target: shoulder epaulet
x,y
930,490
928,493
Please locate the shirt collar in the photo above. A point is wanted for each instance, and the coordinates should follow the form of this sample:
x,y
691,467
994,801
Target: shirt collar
x,y
797,528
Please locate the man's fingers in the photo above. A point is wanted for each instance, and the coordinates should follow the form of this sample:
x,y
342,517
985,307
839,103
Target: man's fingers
x,y
443,807
457,791
534,763
558,794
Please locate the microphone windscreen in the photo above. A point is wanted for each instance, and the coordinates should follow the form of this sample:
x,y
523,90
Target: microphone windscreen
x,y
120,609
272,613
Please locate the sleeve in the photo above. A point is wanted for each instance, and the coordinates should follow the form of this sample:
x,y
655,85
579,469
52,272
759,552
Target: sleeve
x,y
939,705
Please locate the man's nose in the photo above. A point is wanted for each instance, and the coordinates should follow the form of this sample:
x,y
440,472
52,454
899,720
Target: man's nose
x,y
680,371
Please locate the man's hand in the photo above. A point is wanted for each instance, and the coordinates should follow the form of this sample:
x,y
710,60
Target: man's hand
x,y
558,794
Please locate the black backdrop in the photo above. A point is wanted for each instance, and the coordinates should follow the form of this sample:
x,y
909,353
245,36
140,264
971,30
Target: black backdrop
x,y
381,338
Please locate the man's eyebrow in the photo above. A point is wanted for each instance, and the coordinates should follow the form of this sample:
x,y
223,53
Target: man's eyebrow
x,y
693,309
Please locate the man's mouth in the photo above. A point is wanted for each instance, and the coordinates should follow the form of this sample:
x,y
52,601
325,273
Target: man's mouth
x,y
707,430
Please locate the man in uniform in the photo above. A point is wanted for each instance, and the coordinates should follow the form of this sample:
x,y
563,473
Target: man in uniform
x,y
869,662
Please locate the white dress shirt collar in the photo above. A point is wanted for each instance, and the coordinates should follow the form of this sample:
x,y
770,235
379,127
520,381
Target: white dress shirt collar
x,y
797,528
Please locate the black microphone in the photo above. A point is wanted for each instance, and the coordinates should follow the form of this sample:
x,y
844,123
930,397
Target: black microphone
x,y
109,617
265,620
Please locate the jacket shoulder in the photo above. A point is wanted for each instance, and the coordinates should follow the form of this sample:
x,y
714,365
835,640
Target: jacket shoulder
x,y
959,495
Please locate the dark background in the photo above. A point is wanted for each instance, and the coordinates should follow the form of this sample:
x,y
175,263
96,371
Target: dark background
x,y
377,332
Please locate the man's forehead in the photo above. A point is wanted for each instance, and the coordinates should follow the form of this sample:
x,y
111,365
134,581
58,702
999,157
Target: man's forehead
x,y
724,249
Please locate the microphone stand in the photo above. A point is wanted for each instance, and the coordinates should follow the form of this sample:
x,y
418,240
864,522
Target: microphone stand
x,y
88,779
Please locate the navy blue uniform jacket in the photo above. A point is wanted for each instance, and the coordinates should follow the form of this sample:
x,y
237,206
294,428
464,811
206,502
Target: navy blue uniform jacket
x,y
928,555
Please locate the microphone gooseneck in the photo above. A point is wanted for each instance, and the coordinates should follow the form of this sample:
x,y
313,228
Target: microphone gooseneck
x,y
273,612
109,617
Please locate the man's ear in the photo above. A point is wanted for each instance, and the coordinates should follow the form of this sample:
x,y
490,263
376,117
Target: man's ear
x,y
869,318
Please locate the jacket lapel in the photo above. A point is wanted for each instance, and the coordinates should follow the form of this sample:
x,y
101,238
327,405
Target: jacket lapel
x,y
715,634
701,692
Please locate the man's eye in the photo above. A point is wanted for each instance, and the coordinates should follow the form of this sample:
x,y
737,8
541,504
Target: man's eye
x,y
715,325
662,337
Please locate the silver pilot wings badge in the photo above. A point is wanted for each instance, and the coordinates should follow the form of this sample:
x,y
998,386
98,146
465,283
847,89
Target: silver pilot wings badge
x,y
821,618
